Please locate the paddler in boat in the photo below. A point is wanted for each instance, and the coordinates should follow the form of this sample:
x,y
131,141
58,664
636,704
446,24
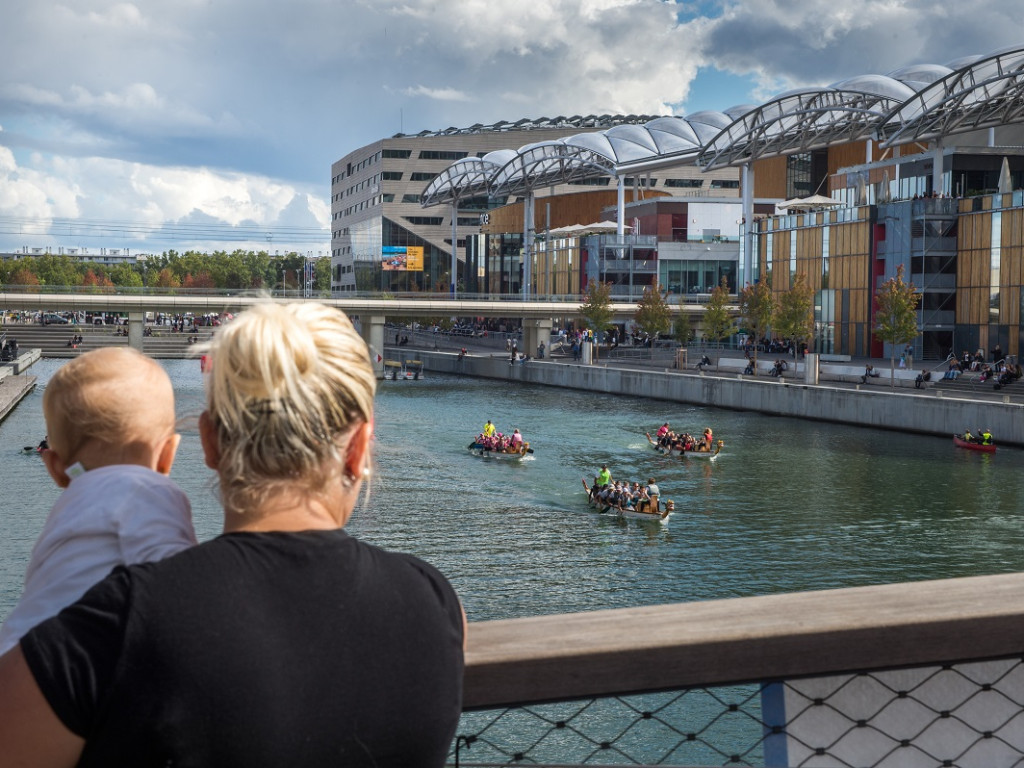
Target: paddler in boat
x,y
967,436
662,431
603,479
516,442
708,441
986,437
489,429
651,494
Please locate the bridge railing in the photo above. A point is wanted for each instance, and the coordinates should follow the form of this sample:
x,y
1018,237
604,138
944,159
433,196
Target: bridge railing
x,y
926,673
78,290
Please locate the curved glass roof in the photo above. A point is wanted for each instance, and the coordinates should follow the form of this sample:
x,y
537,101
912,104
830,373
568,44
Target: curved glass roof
x,y
914,103
468,177
984,93
800,121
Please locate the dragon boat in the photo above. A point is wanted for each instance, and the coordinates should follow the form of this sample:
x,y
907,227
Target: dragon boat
x,y
478,449
692,454
660,515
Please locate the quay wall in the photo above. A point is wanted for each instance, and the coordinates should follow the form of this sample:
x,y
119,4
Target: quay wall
x,y
902,409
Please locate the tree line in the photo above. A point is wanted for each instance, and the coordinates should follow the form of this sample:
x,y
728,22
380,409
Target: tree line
x,y
762,312
238,270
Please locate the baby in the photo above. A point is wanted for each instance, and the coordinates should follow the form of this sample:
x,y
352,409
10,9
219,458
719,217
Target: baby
x,y
110,424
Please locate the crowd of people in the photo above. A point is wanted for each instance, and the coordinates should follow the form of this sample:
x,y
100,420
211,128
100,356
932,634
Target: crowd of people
x,y
1003,371
491,440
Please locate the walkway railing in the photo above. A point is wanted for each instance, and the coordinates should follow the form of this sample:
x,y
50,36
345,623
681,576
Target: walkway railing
x,y
926,673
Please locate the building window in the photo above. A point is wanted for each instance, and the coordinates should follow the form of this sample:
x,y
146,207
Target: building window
x,y
725,183
391,175
471,221
422,176
600,181
436,154
410,198
398,154
690,183
425,221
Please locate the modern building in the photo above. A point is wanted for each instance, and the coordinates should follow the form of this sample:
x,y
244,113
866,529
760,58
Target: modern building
x,y
383,239
921,168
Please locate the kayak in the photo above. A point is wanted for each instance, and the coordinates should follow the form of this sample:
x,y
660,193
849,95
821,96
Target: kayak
x,y
970,445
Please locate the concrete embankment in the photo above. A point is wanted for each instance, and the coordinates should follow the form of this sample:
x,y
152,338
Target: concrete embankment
x,y
14,384
903,409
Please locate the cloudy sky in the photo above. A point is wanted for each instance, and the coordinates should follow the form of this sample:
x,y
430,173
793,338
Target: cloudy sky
x,y
212,123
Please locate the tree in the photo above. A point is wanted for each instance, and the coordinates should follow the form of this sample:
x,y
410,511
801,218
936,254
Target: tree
x,y
682,330
24,277
794,318
166,279
55,270
596,308
124,276
718,322
896,316
757,308
652,312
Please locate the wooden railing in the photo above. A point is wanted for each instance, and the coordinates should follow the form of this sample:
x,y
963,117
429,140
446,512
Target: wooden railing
x,y
615,652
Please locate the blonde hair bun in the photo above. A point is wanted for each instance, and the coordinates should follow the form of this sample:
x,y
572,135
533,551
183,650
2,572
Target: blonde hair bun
x,y
287,382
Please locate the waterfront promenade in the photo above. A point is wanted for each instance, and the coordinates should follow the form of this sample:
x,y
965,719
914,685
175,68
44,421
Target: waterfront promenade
x,y
836,396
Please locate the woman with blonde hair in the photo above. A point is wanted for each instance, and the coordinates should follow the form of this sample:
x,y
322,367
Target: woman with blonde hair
x,y
283,641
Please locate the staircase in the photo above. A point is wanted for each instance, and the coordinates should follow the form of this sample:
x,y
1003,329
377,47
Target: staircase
x,y
53,339
968,384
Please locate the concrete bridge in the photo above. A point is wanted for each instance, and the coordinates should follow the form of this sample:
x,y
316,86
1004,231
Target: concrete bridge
x,y
538,317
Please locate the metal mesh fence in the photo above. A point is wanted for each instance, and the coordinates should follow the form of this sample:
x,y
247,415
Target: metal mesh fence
x,y
968,714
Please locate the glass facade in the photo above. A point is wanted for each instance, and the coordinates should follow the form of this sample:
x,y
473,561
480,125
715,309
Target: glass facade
x,y
699,276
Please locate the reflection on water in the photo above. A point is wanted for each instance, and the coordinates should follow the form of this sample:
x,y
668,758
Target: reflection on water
x,y
788,505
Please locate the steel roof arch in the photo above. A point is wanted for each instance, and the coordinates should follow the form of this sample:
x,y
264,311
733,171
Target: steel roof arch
x,y
984,93
802,120
466,177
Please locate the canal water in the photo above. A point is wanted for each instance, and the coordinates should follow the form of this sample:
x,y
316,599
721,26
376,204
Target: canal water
x,y
788,505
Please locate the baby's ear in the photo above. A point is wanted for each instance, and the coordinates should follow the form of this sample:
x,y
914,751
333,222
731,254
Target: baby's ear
x,y
166,453
56,467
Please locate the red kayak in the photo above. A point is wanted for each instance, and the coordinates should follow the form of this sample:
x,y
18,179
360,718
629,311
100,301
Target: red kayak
x,y
970,445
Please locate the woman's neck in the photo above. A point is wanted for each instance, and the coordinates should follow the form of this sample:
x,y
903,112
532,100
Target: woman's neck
x,y
305,514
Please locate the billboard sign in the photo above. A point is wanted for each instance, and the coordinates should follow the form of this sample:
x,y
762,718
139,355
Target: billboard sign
x,y
402,258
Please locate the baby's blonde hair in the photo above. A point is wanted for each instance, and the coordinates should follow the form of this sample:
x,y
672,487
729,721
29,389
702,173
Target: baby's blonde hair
x,y
114,399
285,385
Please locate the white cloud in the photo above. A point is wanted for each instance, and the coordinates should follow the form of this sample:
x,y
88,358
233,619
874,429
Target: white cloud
x,y
441,94
121,193
232,108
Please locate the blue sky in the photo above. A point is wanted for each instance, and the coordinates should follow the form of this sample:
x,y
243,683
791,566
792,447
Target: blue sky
x,y
123,124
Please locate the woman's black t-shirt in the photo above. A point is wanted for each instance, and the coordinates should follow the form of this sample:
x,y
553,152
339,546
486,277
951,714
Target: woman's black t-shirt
x,y
259,649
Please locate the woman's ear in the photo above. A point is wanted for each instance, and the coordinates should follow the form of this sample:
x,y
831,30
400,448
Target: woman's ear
x,y
357,456
208,437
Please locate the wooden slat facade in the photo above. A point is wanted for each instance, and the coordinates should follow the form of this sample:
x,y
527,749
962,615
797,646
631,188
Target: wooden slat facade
x,y
578,208
848,273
